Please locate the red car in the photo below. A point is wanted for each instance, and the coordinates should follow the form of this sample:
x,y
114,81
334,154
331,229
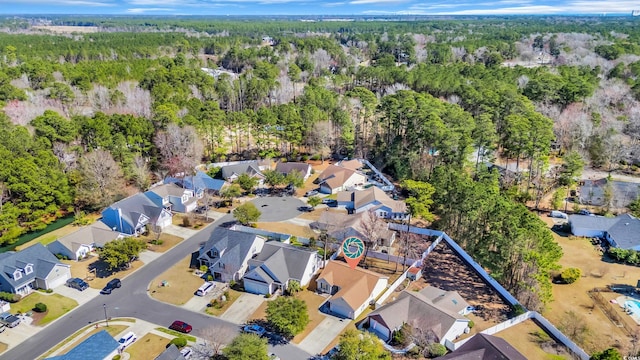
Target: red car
x,y
181,326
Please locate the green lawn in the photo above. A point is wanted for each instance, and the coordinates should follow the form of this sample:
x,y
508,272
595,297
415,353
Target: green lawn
x,y
148,347
57,305
177,334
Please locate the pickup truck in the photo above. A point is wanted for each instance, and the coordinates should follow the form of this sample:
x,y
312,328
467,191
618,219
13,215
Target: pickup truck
x,y
9,320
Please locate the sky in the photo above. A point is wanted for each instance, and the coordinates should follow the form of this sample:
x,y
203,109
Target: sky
x,y
320,7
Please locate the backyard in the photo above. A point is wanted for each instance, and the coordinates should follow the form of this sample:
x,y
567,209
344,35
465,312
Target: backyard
x,y
55,234
579,252
529,339
57,305
180,286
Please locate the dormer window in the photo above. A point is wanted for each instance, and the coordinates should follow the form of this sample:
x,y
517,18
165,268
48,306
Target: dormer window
x,y
28,269
185,198
17,274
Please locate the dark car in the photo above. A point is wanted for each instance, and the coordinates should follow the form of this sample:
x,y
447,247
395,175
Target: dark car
x,y
181,326
113,284
77,283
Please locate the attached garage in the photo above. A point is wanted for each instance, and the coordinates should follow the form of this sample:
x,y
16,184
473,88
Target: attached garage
x,y
256,287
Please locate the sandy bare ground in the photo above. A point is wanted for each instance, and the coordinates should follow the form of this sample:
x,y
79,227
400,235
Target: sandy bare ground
x,y
67,29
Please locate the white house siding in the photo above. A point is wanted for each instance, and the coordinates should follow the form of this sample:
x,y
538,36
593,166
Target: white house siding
x,y
577,231
353,180
58,276
256,287
340,307
309,271
380,330
456,330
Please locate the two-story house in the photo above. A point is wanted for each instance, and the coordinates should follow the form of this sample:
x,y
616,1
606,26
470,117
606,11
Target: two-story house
x,y
227,253
173,198
32,268
134,214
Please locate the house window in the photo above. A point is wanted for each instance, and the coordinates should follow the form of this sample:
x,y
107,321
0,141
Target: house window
x,y
221,265
28,269
185,198
17,275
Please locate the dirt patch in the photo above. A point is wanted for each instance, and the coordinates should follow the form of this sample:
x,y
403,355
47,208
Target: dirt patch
x,y
579,253
286,228
445,270
315,214
148,347
179,281
530,340
167,242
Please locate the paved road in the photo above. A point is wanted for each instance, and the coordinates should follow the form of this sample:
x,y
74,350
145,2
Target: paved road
x,y
274,208
131,300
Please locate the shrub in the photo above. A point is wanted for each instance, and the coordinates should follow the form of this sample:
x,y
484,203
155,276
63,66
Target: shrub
x,y
179,342
186,222
117,357
436,349
518,309
402,337
209,277
267,295
9,297
414,352
40,307
62,257
570,275
471,324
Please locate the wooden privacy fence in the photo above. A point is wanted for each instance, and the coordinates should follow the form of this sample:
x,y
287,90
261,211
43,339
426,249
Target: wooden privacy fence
x,y
612,311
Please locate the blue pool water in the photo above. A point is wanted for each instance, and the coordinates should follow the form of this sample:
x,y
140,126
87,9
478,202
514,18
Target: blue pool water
x,y
634,306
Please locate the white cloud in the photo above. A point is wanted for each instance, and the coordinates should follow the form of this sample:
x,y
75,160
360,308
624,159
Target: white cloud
x,y
144,10
375,2
64,2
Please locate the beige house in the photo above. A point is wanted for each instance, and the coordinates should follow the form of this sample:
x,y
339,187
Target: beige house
x,y
336,178
352,290
375,199
419,311
340,227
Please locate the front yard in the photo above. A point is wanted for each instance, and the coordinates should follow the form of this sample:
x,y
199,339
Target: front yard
x,y
147,347
166,242
181,283
101,276
217,311
57,305
287,228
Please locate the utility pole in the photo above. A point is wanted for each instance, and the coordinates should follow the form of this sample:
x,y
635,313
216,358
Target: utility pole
x,y
106,319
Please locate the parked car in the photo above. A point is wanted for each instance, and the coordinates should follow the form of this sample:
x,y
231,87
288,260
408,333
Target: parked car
x,y
305,208
113,284
200,209
311,193
558,214
330,202
128,339
186,352
181,326
585,212
77,283
205,288
9,320
254,329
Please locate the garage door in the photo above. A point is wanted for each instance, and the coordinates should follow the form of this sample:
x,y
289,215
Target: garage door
x,y
58,276
255,287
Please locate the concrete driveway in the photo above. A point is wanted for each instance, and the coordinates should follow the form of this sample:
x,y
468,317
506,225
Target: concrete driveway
x,y
320,337
81,297
275,208
179,231
242,308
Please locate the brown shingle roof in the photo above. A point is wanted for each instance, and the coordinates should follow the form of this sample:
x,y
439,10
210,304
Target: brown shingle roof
x,y
339,225
355,285
364,197
335,176
351,164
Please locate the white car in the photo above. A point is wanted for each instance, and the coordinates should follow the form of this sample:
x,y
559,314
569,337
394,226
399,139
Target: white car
x,y
127,340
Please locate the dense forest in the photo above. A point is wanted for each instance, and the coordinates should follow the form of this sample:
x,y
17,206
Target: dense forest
x,y
97,112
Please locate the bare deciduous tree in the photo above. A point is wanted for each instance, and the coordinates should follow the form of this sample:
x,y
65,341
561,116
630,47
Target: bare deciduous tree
x,y
101,180
372,227
322,137
140,172
217,337
65,155
180,149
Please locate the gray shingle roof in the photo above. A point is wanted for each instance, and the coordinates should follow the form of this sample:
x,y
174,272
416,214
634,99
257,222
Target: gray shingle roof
x,y
200,181
95,347
171,353
38,255
252,168
233,245
97,233
136,205
287,167
485,347
449,300
165,190
279,262
415,309
623,229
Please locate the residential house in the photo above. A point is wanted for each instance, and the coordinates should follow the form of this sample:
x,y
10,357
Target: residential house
x,y
277,264
99,346
352,290
200,183
353,164
485,347
417,310
448,300
621,193
287,167
132,215
336,178
253,168
373,199
170,353
340,227
622,232
32,268
227,253
173,197
78,244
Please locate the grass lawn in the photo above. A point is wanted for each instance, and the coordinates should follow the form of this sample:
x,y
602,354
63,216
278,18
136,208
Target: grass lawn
x,y
383,267
74,339
527,337
182,284
286,228
168,241
579,252
233,296
50,237
3,347
176,334
147,347
57,305
100,282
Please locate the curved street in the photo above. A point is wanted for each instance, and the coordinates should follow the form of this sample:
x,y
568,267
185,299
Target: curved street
x,y
132,300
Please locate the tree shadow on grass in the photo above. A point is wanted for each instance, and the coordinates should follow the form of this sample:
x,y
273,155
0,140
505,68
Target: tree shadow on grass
x,y
101,269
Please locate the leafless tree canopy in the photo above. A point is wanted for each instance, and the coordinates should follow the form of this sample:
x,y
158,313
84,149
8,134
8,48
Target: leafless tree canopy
x,y
217,337
102,180
180,149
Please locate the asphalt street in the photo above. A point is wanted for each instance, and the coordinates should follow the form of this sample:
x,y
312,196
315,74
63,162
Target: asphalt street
x,y
132,300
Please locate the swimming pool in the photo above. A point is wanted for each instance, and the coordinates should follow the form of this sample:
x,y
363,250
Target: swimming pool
x,y
634,307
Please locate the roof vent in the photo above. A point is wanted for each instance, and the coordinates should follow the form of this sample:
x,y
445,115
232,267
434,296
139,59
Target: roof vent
x,y
626,223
